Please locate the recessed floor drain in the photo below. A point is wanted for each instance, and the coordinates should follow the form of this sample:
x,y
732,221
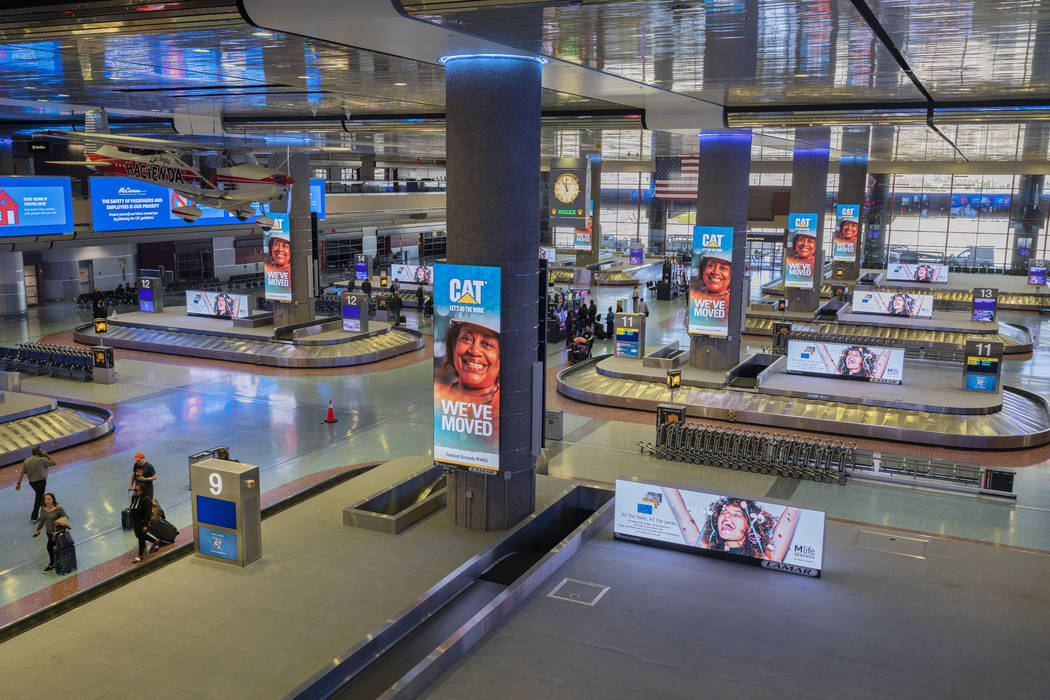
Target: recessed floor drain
x,y
581,592
892,544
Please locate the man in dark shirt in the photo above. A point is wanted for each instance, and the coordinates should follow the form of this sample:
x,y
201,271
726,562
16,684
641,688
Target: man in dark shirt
x,y
366,287
35,469
143,474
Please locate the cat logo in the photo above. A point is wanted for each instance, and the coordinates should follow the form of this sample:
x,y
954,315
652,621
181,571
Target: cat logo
x,y
466,291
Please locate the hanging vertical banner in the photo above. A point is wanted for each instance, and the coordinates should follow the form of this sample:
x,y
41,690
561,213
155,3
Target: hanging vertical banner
x,y
277,245
709,290
800,250
844,245
467,365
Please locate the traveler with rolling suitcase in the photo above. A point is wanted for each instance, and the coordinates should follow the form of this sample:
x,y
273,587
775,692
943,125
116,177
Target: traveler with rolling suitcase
x,y
53,520
141,512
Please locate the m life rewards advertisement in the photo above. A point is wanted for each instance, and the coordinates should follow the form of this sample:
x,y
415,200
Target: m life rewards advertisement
x,y
868,363
844,245
800,250
893,304
771,535
467,365
709,290
277,245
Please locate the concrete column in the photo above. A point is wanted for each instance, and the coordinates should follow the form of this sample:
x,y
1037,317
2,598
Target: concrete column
x,y
725,173
12,285
368,167
809,194
301,307
853,180
492,209
657,207
877,218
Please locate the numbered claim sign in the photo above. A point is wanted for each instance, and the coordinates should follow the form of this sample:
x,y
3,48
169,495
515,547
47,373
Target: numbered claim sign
x,y
983,368
226,511
355,312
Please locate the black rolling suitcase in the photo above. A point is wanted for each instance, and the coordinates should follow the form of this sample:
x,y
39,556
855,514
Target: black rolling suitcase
x,y
163,530
65,553
126,522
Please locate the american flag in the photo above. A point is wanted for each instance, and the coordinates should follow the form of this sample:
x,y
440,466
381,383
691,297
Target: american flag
x,y
676,178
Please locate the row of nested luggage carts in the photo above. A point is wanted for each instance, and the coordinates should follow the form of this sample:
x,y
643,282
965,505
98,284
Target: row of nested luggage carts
x,y
52,360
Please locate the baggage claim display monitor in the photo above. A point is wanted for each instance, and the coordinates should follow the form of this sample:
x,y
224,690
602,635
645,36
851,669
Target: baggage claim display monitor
x,y
983,365
151,295
1037,273
984,302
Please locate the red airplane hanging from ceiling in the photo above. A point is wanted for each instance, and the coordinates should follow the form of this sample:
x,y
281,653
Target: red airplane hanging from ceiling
x,y
235,187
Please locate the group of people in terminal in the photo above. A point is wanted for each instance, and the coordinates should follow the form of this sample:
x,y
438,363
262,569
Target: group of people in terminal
x,y
52,519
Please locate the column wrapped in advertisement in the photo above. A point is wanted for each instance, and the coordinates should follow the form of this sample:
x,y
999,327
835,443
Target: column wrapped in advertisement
x,y
278,247
709,291
467,365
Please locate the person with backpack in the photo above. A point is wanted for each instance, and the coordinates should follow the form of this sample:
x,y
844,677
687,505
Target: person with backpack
x,y
141,513
53,520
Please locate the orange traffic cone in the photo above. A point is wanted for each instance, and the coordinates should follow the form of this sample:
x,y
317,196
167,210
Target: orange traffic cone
x,y
330,418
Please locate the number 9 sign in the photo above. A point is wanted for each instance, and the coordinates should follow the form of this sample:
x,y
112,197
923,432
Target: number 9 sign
x,y
215,483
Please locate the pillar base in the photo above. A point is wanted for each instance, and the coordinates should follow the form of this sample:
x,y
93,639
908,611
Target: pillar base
x,y
496,501
285,313
713,353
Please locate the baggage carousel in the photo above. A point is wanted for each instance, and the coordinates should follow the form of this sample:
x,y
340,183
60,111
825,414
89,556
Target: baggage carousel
x,y
1015,298
355,350
1016,340
56,426
1022,421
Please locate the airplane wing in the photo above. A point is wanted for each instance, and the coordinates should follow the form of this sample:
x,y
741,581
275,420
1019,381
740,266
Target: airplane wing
x,y
172,145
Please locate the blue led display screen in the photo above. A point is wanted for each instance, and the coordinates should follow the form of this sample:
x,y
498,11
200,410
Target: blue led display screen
x,y
35,206
215,512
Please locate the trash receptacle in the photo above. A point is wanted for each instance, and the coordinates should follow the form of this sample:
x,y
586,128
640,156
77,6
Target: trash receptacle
x,y
552,425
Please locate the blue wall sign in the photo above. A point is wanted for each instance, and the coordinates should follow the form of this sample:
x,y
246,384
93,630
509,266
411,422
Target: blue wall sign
x,y
35,206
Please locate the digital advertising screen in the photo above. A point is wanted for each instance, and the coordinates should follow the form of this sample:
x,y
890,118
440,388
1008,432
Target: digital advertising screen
x,y
467,365
277,245
413,274
352,318
893,304
123,204
917,272
218,304
548,254
709,291
982,373
1037,274
844,244
984,309
771,535
627,335
35,206
866,363
581,239
217,543
637,256
800,249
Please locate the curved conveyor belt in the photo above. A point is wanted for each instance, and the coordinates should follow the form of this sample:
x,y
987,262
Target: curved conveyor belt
x,y
260,351
68,425
1024,420
1016,339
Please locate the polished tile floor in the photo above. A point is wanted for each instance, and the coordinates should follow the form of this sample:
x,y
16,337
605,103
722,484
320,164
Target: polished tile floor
x,y
170,408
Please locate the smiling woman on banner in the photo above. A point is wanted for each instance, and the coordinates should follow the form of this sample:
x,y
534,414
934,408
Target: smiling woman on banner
x,y
714,274
472,364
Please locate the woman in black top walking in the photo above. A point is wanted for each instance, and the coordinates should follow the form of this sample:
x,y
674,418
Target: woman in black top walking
x,y
53,519
141,512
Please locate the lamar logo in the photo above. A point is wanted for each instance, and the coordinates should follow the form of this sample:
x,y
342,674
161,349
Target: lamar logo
x,y
791,568
466,291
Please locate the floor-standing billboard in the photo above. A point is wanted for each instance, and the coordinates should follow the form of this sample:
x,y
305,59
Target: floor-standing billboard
x,y
467,365
277,245
709,290
844,244
771,535
800,250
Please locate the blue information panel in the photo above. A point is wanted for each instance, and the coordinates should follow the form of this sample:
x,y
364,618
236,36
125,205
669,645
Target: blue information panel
x,y
217,543
122,204
317,197
216,512
35,206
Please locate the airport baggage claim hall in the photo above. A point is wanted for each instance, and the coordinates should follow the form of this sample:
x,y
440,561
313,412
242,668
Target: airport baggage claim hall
x,y
399,349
